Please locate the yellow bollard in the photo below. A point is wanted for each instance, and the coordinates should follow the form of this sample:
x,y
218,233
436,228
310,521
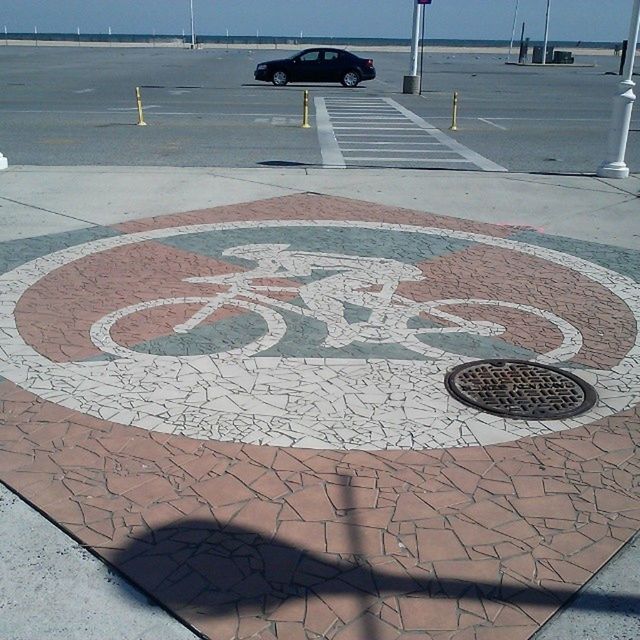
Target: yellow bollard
x,y
305,110
454,115
141,122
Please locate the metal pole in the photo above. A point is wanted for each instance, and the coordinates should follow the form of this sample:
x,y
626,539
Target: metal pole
x,y
6,39
421,51
513,31
415,37
141,122
546,33
454,113
193,31
305,110
78,30
614,166
411,81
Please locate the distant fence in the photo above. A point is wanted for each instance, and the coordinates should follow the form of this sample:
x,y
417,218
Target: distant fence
x,y
178,39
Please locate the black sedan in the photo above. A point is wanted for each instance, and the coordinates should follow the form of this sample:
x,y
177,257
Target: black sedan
x,y
317,65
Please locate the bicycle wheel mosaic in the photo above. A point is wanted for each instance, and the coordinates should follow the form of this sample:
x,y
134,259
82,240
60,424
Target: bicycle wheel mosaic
x,y
244,410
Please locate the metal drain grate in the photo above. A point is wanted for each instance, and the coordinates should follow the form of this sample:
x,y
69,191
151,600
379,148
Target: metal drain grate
x,y
520,389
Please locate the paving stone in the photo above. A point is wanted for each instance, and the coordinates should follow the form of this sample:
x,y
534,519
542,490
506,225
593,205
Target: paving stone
x,y
298,489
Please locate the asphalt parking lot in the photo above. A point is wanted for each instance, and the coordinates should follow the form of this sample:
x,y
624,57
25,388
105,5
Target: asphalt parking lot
x,y
76,106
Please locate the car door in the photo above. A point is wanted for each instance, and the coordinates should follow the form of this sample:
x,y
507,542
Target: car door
x,y
332,66
306,67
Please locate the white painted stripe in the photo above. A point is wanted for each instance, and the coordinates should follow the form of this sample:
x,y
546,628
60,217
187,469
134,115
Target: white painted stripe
x,y
125,110
361,110
366,117
409,128
400,151
413,135
422,144
329,149
475,158
493,124
439,160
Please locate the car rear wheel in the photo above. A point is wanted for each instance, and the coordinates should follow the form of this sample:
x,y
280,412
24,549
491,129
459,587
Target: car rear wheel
x,y
350,79
279,78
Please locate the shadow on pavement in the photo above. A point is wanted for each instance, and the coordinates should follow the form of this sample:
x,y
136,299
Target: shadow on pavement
x,y
216,568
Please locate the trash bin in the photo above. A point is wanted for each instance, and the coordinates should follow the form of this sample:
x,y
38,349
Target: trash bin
x,y
537,55
563,57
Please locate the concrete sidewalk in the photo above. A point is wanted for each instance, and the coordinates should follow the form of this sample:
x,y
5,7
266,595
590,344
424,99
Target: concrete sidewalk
x,y
495,525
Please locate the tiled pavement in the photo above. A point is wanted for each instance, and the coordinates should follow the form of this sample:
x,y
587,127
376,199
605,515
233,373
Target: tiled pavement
x,y
290,468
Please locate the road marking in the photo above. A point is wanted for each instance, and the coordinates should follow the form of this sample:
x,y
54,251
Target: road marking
x,y
373,130
493,124
393,151
474,158
146,106
277,120
369,142
412,160
547,119
329,149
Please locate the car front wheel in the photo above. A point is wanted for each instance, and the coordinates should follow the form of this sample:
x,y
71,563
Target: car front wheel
x,y
279,78
350,79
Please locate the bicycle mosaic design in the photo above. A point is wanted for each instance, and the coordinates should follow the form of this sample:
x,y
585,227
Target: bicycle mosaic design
x,y
322,329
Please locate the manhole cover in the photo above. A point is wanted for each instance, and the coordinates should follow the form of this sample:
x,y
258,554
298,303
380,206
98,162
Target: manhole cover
x,y
519,389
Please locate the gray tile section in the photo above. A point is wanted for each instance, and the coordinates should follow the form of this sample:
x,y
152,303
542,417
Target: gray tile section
x,y
621,618
52,589
21,250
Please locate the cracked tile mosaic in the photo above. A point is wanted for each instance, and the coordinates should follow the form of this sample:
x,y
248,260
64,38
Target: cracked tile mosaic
x,y
243,410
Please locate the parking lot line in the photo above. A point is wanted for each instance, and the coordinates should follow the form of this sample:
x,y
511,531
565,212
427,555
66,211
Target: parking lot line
x,y
493,124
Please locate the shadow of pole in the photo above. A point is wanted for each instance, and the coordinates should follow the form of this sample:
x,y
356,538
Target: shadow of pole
x,y
219,570
366,628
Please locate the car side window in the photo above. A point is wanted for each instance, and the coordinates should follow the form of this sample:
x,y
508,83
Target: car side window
x,y
331,56
310,56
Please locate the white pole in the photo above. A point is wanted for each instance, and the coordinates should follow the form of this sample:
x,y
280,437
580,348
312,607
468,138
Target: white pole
x,y
614,166
513,31
415,38
193,32
546,33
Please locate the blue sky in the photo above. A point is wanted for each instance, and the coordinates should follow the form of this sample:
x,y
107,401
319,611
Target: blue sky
x,y
584,20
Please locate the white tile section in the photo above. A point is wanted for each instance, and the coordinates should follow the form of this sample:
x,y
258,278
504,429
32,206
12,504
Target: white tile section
x,y
344,403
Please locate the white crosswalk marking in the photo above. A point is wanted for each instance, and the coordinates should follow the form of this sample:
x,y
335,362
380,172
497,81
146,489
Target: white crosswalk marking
x,y
369,131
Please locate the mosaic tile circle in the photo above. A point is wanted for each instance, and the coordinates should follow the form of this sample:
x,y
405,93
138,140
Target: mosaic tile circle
x,y
308,333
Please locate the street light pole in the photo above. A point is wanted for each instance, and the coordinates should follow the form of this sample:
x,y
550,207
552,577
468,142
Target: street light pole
x,y
513,31
411,82
614,166
193,31
546,33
